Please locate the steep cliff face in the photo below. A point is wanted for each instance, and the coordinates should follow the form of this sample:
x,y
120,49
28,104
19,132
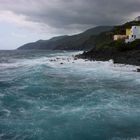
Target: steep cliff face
x,y
74,42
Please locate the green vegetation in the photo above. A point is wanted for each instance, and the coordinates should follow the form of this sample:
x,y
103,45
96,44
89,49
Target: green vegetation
x,y
118,51
99,37
74,42
121,29
105,39
134,45
120,46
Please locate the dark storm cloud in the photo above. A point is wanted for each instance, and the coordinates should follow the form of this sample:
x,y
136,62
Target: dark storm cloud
x,y
69,14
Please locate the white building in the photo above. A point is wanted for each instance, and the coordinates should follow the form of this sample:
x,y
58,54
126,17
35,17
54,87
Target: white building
x,y
134,34
119,37
137,18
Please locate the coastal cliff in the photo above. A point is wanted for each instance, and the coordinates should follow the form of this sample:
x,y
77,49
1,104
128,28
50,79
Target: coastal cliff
x,y
119,54
119,51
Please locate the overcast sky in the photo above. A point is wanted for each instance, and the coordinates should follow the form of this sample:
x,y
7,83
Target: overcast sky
x,y
23,21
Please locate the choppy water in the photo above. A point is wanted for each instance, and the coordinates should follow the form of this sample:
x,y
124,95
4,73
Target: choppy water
x,y
51,96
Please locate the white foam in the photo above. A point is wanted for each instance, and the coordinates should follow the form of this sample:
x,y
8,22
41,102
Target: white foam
x,y
118,138
66,60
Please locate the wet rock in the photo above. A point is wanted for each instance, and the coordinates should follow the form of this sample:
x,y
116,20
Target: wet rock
x,y
52,60
57,58
138,70
131,57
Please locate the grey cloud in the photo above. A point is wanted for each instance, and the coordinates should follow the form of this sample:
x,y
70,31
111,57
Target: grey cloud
x,y
72,14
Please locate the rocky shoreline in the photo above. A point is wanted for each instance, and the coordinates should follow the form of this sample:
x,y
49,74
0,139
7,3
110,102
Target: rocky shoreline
x,y
127,57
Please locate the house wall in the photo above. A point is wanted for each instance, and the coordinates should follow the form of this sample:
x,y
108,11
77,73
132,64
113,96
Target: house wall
x,y
128,32
135,34
119,37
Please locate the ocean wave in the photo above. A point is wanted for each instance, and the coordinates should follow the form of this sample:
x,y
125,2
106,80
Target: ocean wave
x,y
57,96
133,138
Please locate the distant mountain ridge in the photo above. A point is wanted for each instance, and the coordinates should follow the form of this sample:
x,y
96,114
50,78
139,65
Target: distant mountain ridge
x,y
73,42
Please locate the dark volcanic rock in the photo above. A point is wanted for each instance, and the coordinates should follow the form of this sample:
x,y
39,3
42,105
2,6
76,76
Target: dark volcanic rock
x,y
131,57
138,70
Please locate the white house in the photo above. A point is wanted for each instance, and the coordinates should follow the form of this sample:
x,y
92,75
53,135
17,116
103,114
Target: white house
x,y
137,18
134,34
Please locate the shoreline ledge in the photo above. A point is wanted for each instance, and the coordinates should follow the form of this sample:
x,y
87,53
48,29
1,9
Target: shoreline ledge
x,y
131,57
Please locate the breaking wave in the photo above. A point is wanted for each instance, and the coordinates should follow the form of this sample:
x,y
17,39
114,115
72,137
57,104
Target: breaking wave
x,y
53,95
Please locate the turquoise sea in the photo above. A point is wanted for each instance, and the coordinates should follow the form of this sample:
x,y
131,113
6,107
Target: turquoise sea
x,y
49,95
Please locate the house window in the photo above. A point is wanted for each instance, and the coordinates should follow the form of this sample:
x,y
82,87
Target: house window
x,y
134,36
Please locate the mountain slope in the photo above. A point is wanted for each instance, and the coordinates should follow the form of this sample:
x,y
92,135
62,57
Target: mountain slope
x,y
43,44
105,39
74,42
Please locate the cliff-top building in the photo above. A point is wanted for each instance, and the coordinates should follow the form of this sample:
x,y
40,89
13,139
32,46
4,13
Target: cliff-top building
x,y
120,37
133,34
